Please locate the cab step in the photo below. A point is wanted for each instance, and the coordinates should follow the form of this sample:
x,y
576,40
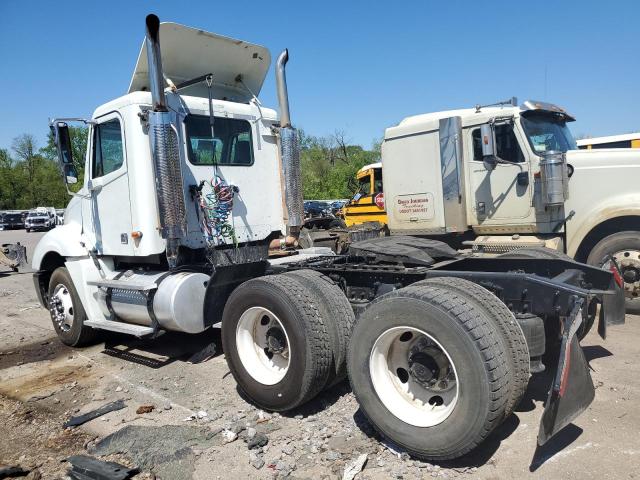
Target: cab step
x,y
120,327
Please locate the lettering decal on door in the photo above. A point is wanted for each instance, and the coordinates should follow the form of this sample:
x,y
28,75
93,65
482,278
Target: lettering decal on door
x,y
416,207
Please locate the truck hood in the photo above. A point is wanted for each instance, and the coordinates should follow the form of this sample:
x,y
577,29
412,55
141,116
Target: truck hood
x,y
188,53
613,157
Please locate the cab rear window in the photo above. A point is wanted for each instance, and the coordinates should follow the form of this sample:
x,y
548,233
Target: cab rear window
x,y
231,143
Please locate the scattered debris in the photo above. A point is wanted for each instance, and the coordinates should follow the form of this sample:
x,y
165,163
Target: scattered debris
x,y
98,412
203,355
37,398
12,472
354,467
89,468
229,436
256,460
257,441
145,409
201,414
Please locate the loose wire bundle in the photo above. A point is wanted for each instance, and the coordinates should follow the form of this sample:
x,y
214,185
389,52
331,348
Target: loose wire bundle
x,y
216,207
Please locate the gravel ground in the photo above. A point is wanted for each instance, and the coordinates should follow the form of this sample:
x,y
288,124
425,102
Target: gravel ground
x,y
197,426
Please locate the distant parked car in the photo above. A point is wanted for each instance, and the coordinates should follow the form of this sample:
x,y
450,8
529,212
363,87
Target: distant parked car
x,y
39,219
315,208
11,221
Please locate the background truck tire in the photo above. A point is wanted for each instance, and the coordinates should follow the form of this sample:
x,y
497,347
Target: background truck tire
x,y
505,323
625,247
69,317
536,252
298,324
471,343
338,315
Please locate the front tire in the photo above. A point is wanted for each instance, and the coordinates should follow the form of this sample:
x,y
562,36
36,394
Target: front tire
x,y
67,312
624,247
408,350
276,342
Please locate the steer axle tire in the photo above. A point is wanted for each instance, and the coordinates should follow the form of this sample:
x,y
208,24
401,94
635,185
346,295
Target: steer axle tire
x,y
67,312
428,369
505,323
276,341
338,315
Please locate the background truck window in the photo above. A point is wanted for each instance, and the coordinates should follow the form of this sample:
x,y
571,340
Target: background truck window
x,y
507,146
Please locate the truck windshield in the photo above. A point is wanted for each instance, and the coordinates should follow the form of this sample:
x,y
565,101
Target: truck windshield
x,y
547,132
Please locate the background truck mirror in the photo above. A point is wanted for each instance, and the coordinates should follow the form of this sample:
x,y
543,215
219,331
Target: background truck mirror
x,y
63,142
488,140
70,173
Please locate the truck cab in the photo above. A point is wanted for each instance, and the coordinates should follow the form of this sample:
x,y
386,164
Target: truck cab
x,y
490,193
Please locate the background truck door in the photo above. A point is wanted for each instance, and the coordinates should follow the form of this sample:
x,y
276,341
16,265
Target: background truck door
x,y
496,195
108,184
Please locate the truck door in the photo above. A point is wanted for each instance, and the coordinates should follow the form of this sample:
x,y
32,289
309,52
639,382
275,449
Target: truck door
x,y
108,184
497,195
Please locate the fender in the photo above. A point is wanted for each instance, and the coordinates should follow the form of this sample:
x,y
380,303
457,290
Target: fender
x,y
65,240
586,219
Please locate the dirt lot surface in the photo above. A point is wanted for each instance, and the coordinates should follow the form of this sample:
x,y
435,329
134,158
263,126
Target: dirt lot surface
x,y
196,425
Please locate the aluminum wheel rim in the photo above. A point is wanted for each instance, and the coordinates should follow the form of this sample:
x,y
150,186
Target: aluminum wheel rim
x,y
629,260
61,307
404,395
253,336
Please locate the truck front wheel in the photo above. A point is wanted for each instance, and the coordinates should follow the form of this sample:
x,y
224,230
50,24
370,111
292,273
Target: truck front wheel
x,y
429,371
67,312
624,247
276,342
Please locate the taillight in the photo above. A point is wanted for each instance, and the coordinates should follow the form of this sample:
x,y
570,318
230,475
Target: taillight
x,y
616,275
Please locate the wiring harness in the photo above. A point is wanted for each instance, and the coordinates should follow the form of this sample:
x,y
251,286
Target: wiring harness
x,y
215,209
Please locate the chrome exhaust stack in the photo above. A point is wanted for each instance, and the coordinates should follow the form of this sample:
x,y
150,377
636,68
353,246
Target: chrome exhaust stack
x,y
290,155
165,150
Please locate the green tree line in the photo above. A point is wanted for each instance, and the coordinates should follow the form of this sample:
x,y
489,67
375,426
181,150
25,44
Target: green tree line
x,y
30,176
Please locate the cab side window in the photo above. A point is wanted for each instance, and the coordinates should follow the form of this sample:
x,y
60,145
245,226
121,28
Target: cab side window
x,y
108,155
507,146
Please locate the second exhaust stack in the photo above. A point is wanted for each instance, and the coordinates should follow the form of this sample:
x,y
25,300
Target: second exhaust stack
x,y
290,153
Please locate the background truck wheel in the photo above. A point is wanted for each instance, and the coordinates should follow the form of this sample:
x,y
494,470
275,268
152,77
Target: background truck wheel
x,y
624,247
536,252
338,315
67,312
505,323
547,253
429,371
276,342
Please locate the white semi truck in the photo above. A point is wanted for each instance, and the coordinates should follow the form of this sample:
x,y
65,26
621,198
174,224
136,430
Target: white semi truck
x,y
495,199
190,182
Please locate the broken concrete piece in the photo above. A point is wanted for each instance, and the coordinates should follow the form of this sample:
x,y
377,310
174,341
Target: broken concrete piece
x,y
98,412
354,467
258,440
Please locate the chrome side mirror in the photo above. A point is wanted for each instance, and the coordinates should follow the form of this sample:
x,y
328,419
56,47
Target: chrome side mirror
x,y
487,135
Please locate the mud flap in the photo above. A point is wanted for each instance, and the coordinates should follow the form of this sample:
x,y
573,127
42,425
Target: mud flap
x,y
572,389
612,309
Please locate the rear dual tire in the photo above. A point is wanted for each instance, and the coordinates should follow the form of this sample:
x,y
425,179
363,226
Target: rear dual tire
x,y
402,342
277,342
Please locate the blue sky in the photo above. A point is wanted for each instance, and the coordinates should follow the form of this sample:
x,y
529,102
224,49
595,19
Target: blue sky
x,y
355,66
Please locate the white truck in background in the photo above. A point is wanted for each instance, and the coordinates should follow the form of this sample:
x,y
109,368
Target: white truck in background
x,y
191,189
494,200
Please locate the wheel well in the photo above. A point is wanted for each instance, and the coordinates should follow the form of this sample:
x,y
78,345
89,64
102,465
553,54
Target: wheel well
x,y
606,228
50,262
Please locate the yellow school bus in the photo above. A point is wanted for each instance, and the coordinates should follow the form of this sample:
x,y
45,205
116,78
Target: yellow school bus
x,y
628,140
367,205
